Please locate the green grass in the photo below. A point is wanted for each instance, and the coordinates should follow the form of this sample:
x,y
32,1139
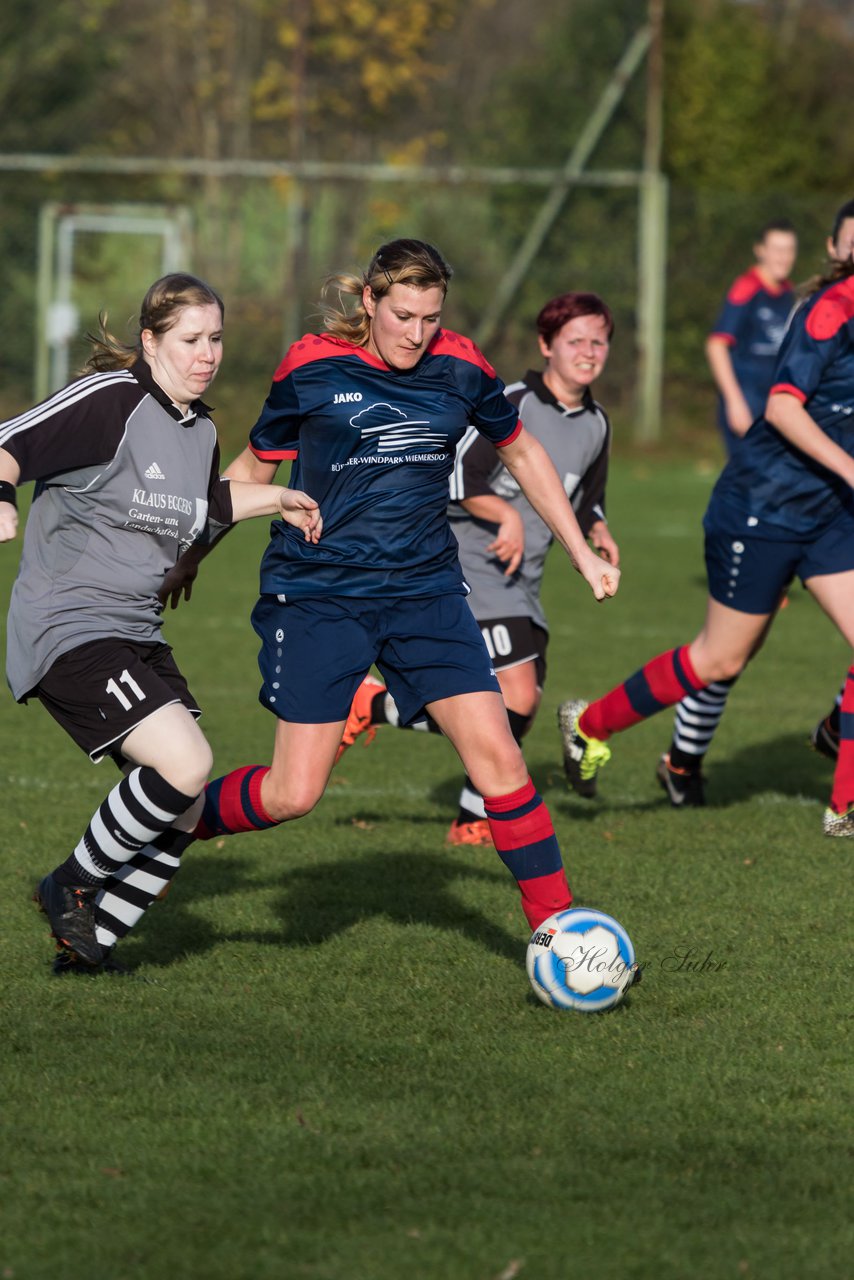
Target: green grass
x,y
328,1063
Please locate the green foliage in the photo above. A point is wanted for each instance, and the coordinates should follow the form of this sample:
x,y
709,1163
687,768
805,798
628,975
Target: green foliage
x,y
754,127
327,1063
745,113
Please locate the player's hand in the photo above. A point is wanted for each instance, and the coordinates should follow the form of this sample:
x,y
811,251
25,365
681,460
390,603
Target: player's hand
x,y
738,415
178,583
604,544
303,512
509,543
8,521
602,578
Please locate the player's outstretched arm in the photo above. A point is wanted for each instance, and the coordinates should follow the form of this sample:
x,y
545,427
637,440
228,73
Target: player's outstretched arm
x,y
530,464
295,507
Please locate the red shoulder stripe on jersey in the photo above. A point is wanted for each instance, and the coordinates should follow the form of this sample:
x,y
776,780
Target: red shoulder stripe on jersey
x,y
313,346
275,455
789,390
724,337
511,437
448,343
833,310
744,287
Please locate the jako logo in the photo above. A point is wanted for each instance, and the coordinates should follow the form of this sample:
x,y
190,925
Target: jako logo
x,y
347,397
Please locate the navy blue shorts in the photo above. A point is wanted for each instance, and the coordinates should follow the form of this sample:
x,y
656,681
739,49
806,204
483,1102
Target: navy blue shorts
x,y
315,653
750,573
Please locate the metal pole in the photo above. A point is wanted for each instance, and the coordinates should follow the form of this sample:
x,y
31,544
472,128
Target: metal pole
x,y
551,207
652,242
44,292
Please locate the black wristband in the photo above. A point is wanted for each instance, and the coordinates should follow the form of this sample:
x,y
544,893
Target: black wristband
x,y
8,493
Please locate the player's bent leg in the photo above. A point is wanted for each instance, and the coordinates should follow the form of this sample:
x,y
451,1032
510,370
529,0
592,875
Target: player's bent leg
x,y
129,893
718,653
521,693
825,736
476,725
361,718
139,809
256,797
170,741
835,593
520,824
303,757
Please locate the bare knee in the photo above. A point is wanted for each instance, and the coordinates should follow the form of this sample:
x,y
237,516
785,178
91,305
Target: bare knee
x,y
294,800
501,771
718,668
190,771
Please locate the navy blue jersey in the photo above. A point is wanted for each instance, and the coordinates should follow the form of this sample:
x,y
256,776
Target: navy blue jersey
x,y
375,448
752,322
770,483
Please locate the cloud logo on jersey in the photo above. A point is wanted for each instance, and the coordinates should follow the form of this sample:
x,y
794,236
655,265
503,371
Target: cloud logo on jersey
x,y
390,431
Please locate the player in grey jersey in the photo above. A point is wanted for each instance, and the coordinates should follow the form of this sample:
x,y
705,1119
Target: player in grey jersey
x,y
126,465
503,542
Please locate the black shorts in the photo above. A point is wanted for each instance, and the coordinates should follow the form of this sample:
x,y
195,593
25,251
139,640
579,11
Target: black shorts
x,y
512,641
103,689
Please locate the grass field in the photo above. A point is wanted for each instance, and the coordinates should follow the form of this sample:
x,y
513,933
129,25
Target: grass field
x,y
327,1062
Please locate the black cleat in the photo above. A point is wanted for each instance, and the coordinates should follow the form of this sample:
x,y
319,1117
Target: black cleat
x,y
71,912
825,739
685,788
69,962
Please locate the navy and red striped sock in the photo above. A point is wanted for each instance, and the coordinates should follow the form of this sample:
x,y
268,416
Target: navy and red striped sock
x,y
663,681
843,776
233,804
523,834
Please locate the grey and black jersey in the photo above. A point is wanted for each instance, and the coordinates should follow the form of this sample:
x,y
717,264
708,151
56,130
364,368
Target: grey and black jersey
x,y
578,443
124,484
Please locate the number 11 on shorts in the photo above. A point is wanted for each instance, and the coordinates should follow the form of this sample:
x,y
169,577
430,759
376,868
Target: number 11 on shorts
x,y
126,679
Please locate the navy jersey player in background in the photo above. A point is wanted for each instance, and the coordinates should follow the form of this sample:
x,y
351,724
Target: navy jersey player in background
x,y
742,347
679,770
503,542
127,469
783,505
371,412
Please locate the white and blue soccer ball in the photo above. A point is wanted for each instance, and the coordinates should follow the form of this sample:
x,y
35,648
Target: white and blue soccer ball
x,y
581,959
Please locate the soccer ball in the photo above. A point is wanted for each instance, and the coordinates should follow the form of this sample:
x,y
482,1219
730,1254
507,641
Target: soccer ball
x,y
581,959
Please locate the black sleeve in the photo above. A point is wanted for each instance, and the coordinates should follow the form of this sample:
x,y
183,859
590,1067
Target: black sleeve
x,y
477,463
220,509
592,484
80,426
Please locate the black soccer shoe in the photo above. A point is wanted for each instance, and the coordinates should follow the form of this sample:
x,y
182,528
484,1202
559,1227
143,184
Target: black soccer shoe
x,y
825,739
71,912
685,789
69,962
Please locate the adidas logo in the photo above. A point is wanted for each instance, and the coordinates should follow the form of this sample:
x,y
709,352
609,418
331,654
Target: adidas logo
x,y
154,473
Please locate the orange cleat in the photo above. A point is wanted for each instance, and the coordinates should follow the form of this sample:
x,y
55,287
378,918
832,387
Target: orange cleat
x,y
469,832
359,719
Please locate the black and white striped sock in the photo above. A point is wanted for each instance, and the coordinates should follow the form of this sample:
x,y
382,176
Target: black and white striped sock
x,y
140,808
129,893
697,718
